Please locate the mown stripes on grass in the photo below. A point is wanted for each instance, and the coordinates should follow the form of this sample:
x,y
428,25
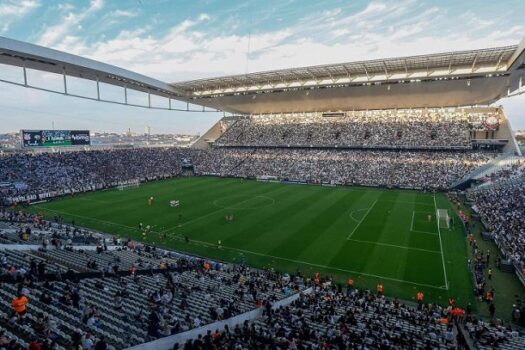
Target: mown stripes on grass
x,y
371,233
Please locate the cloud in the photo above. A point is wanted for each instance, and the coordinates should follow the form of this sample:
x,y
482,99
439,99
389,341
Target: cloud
x,y
475,21
203,46
204,17
17,8
189,49
123,13
71,23
65,7
14,10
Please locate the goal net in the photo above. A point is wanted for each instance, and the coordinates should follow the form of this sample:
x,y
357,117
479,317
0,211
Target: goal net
x,y
129,185
443,220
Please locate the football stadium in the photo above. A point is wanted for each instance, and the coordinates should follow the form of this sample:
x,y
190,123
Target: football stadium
x,y
368,204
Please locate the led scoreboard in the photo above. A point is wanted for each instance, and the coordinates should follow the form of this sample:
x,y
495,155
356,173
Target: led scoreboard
x,y
55,138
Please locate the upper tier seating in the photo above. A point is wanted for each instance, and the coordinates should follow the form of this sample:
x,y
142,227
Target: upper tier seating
x,y
415,128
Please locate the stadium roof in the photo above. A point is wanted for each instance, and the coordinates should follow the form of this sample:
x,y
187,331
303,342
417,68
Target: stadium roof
x,y
30,56
492,60
448,79
437,80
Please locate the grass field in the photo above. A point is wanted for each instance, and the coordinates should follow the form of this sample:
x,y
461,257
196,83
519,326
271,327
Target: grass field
x,y
368,234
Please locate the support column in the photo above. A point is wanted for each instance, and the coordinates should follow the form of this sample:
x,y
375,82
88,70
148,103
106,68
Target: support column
x,y
65,81
98,90
25,75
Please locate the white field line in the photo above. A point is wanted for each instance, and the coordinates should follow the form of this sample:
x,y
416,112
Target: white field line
x,y
241,208
86,217
425,232
309,264
221,209
419,231
362,219
193,220
192,241
136,229
355,211
441,246
395,246
405,202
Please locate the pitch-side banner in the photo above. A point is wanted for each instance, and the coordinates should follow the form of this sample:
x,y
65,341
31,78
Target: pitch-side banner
x,y
55,138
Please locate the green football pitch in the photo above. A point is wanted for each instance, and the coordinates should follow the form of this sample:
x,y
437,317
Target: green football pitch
x,y
371,235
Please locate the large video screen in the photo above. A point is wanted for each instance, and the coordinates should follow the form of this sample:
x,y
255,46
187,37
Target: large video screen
x,y
55,138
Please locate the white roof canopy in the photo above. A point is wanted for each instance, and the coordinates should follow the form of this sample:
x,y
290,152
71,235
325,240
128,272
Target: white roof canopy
x,y
486,61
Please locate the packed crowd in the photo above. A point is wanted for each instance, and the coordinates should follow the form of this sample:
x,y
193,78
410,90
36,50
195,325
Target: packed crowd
x,y
379,168
32,177
513,171
44,175
502,209
415,128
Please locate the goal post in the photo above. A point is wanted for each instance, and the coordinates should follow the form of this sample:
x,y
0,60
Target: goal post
x,y
125,186
443,220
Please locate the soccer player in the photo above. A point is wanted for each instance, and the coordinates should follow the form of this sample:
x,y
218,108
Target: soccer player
x,y
429,218
219,244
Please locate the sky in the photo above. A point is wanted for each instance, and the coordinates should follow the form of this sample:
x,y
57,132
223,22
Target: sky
x,y
176,40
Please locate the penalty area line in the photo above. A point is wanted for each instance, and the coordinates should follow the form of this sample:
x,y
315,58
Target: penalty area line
x,y
418,231
355,211
362,219
207,244
395,246
425,232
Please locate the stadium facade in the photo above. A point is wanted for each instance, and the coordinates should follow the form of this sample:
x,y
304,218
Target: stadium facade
x,y
421,122
451,79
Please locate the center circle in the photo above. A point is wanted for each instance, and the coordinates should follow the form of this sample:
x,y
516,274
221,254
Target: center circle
x,y
241,201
